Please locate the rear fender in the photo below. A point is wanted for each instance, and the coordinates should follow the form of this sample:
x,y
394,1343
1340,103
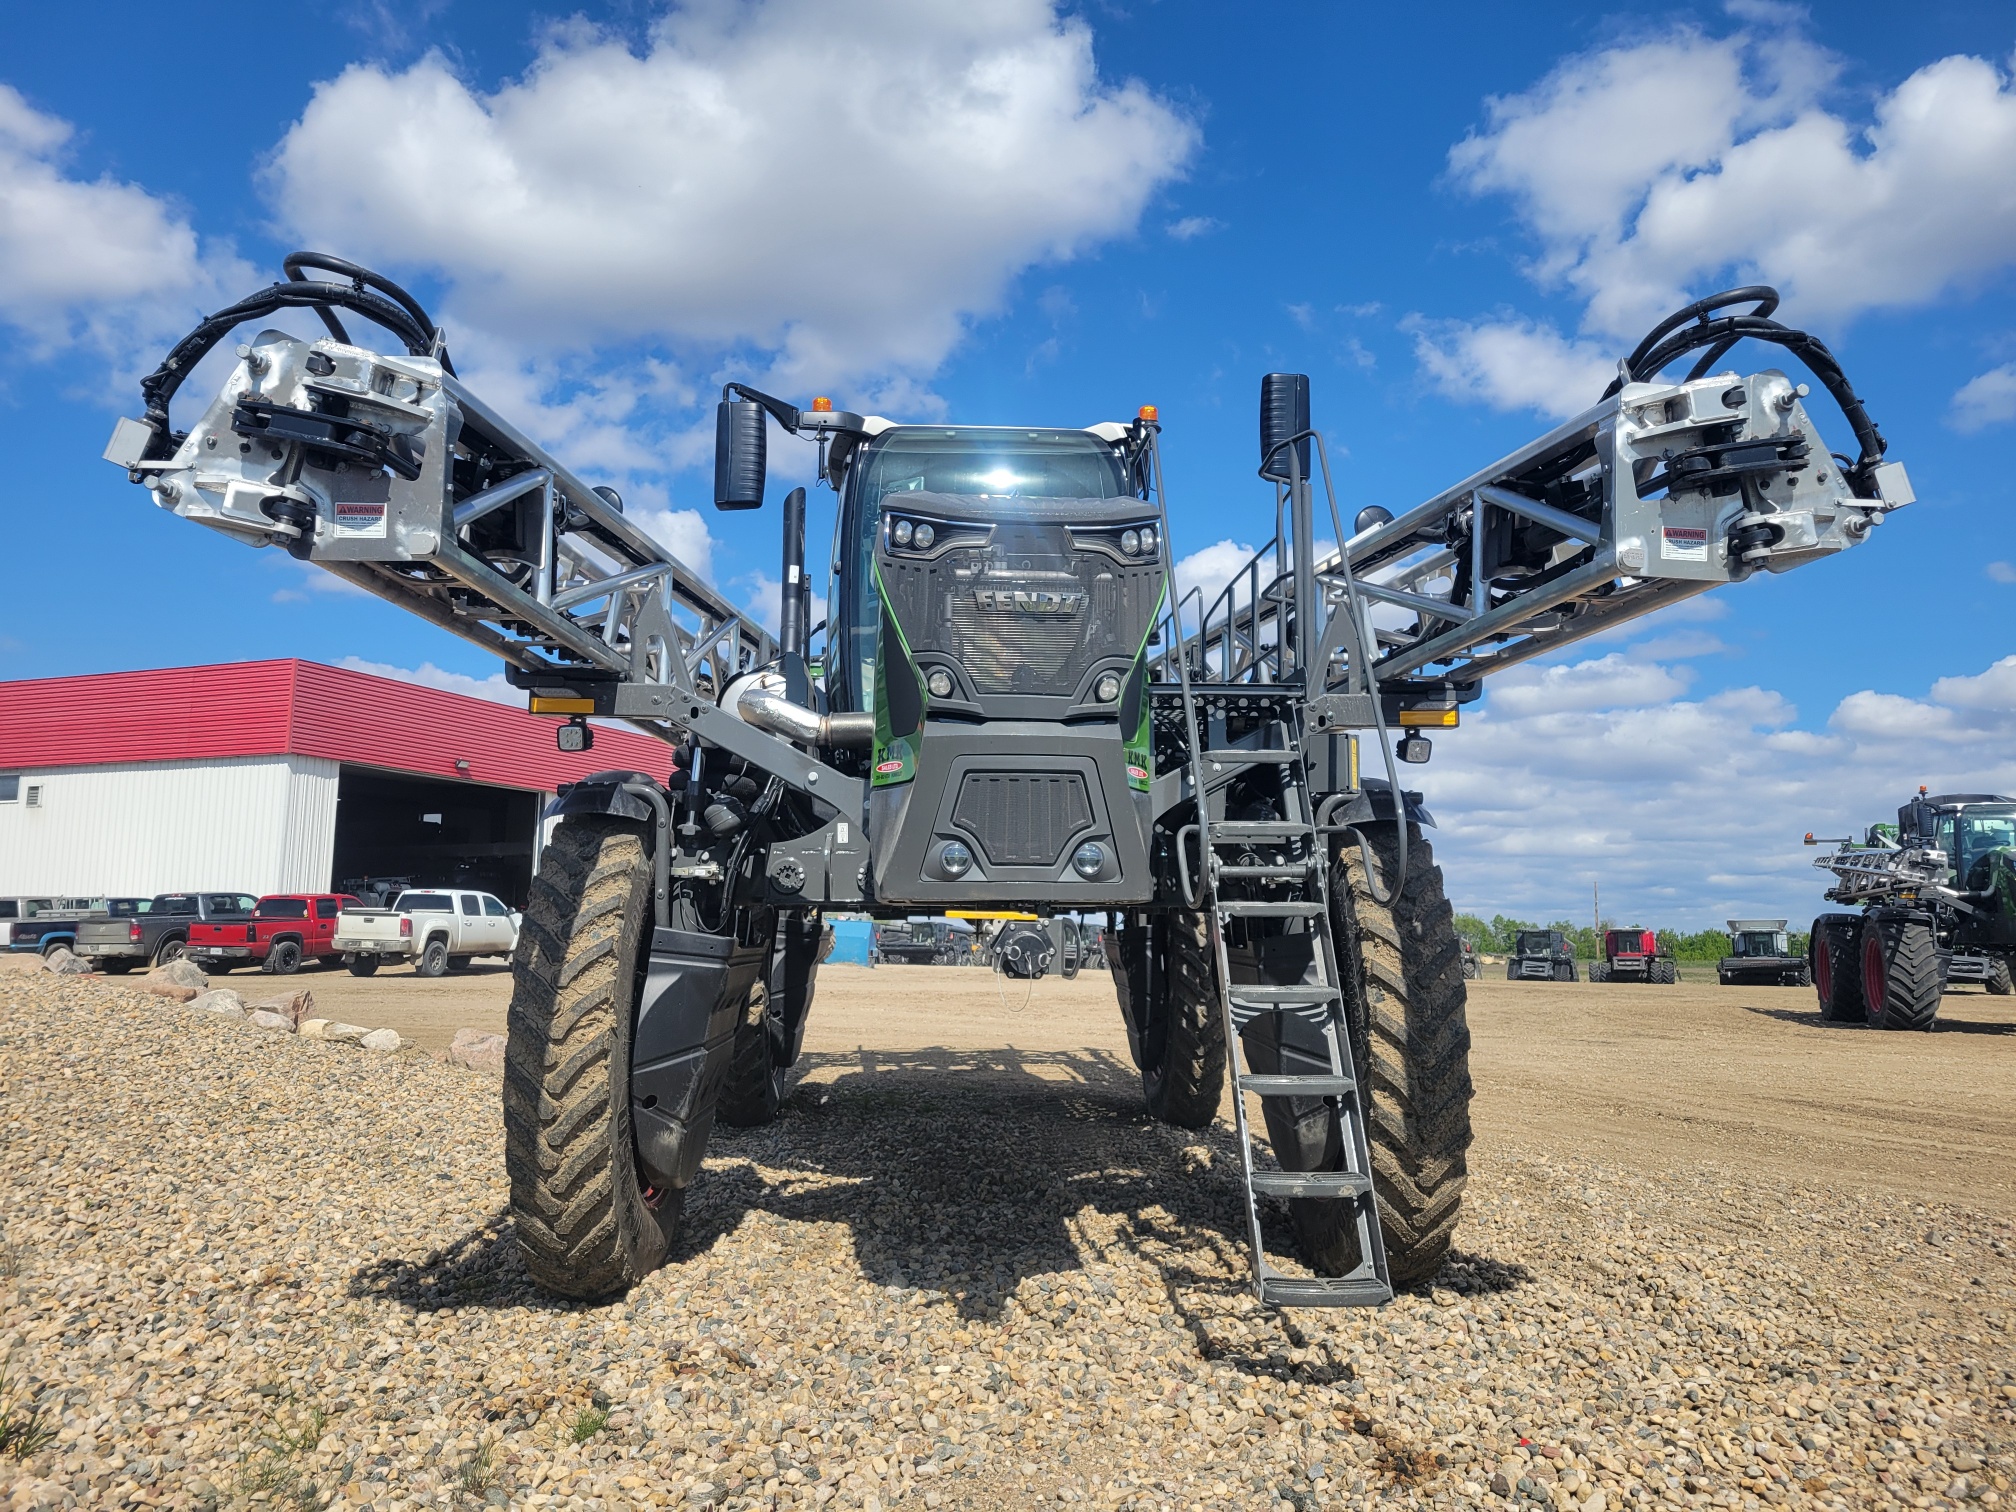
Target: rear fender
x,y
1374,802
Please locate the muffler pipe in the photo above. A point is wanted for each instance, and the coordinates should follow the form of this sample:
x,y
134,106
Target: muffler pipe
x,y
780,716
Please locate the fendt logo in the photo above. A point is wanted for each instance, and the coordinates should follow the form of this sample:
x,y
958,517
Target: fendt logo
x,y
1029,601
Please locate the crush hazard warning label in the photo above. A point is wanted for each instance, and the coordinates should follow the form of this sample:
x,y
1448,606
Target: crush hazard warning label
x,y
1684,543
358,518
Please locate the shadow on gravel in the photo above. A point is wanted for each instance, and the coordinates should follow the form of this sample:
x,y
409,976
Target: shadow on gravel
x,y
967,1172
481,1269
1944,1024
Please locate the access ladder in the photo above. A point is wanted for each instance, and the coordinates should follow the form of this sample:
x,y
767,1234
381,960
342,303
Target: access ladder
x,y
1275,868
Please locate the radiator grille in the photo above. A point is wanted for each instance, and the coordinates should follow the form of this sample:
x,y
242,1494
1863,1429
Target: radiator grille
x,y
1023,818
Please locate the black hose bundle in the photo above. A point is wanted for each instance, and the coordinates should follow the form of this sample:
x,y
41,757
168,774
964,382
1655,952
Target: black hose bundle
x,y
1698,325
391,307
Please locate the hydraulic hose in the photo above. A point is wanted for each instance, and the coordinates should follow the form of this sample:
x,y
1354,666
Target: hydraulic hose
x,y
394,309
1697,325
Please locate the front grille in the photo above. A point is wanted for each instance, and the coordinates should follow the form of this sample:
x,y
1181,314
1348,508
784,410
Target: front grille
x,y
1027,632
1023,818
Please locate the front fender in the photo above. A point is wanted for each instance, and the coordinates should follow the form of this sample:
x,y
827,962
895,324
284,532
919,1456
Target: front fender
x,y
604,793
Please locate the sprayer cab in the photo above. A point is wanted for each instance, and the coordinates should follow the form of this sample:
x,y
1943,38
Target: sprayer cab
x,y
994,590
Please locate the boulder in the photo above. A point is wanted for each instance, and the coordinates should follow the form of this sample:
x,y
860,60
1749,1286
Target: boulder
x,y
220,1000
266,1019
297,1006
22,963
63,963
180,972
342,1034
169,990
312,1028
478,1050
386,1040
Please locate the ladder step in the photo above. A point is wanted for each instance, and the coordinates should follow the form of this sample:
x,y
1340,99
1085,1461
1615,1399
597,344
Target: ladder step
x,y
1250,758
1310,1183
1324,1291
1242,909
1258,829
1294,869
1299,1086
1282,997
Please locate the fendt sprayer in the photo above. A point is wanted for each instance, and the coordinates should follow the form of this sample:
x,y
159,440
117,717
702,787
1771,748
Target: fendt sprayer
x,y
1939,884
1015,712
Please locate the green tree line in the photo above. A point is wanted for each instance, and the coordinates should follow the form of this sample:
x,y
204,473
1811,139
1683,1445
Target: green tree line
x,y
1498,934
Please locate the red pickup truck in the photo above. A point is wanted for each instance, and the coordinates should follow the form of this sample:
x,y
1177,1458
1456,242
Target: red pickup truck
x,y
284,931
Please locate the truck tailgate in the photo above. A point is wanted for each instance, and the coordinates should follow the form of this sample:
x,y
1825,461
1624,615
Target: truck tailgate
x,y
104,933
376,925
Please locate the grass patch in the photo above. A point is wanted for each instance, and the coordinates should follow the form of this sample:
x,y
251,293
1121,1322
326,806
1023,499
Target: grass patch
x,y
586,1423
24,1429
479,1471
272,1475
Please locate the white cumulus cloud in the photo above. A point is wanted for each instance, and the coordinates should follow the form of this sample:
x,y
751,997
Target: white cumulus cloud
x,y
98,261
1675,163
1989,399
1512,364
842,198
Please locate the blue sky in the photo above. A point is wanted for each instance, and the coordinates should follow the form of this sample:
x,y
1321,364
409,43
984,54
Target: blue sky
x,y
1453,217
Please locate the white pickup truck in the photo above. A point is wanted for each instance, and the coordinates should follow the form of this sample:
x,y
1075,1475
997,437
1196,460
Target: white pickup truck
x,y
433,927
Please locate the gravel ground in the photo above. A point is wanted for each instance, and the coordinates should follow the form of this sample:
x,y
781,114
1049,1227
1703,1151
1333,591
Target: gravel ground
x,y
241,1268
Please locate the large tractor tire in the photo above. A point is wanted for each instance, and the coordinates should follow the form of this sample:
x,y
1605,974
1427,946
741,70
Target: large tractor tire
x,y
1835,954
1902,975
1599,971
587,1225
1410,1044
1167,984
1663,973
1998,976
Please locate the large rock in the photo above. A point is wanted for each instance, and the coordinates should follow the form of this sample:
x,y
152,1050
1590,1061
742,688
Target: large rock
x,y
265,1018
478,1050
169,990
22,963
63,963
342,1034
180,972
220,1000
297,1007
385,1040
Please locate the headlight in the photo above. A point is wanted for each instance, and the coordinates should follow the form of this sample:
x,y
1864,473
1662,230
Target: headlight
x,y
1148,540
1130,541
954,860
925,536
1107,688
939,682
1088,860
901,534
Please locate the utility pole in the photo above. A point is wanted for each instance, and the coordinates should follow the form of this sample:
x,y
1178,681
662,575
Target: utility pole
x,y
1596,913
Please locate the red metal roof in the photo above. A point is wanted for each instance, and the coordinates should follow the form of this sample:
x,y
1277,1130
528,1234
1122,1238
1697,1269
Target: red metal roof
x,y
271,708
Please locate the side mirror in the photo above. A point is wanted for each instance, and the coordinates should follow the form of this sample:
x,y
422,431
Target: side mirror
x,y
1284,412
741,456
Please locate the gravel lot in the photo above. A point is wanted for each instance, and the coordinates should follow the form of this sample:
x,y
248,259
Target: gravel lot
x,y
241,1268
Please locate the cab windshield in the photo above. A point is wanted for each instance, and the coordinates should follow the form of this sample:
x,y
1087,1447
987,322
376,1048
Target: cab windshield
x,y
976,461
1982,830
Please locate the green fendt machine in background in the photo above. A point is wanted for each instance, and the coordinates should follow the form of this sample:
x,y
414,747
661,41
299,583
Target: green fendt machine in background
x,y
1013,709
1937,890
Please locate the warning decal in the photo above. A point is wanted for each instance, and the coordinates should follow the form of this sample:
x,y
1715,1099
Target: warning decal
x,y
357,518
1684,543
